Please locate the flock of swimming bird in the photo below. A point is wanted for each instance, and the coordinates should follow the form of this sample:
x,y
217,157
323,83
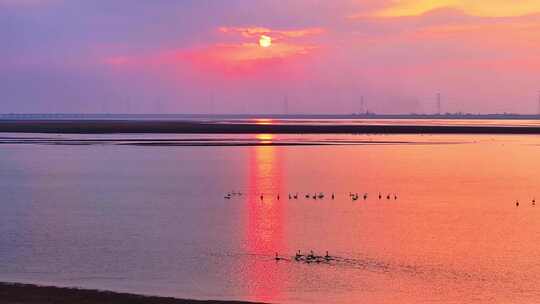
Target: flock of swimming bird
x,y
307,258
533,202
312,257
317,196
320,196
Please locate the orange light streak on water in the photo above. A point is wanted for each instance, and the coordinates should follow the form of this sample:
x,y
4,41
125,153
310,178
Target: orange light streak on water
x,y
265,221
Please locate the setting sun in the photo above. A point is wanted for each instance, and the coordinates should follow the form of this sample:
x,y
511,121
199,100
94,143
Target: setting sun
x,y
265,41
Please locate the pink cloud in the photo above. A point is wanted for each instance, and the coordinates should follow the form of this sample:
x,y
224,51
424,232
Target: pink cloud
x,y
242,57
245,52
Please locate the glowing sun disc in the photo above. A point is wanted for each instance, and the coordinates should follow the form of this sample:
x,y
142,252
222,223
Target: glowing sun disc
x,y
265,41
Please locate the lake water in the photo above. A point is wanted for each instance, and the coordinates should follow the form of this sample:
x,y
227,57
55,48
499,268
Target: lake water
x,y
135,214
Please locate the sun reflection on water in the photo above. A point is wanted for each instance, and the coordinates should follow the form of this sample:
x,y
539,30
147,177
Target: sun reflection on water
x,y
265,138
265,220
263,121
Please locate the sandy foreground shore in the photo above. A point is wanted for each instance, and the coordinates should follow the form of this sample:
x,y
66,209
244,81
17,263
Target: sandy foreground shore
x,y
184,127
11,293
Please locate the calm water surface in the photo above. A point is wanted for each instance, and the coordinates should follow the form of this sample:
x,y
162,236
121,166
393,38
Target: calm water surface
x,y
105,212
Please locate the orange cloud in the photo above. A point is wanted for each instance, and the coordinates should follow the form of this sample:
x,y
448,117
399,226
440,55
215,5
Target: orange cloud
x,y
503,29
491,8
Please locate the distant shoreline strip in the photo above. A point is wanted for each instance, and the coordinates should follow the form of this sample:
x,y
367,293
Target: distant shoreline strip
x,y
183,127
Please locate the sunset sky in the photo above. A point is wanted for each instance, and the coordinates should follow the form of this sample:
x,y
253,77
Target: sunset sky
x,y
204,56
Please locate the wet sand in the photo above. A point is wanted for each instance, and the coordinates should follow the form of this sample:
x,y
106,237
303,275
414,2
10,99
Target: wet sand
x,y
188,127
32,294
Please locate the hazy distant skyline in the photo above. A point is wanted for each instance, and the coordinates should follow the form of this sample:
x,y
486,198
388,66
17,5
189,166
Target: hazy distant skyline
x,y
203,56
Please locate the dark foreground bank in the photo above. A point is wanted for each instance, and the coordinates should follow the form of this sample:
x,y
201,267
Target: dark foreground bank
x,y
32,294
131,126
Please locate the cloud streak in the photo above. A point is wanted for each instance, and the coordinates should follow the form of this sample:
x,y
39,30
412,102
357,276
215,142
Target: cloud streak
x,y
255,32
492,8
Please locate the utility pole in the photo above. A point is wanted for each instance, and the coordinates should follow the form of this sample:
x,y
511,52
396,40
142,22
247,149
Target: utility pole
x,y
538,103
439,103
286,105
128,105
362,106
158,106
212,104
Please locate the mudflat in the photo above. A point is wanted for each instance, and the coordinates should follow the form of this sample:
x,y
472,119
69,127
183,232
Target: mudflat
x,y
185,127
11,293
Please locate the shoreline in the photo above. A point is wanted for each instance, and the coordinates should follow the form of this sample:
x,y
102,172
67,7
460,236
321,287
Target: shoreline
x,y
17,293
187,127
